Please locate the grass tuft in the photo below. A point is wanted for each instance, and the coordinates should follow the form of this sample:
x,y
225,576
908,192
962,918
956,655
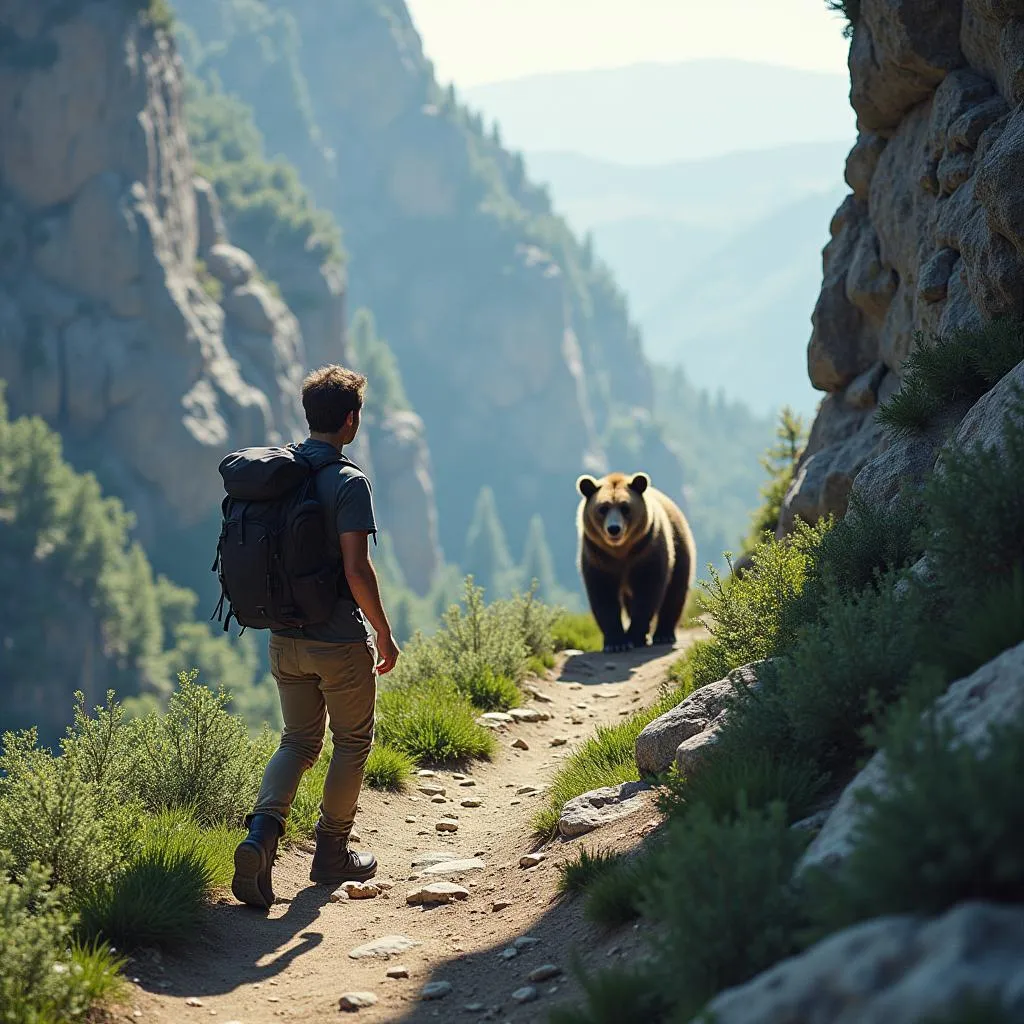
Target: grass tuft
x,y
576,631
388,768
615,897
578,874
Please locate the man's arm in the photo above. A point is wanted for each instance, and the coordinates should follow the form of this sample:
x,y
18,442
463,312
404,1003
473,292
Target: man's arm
x,y
362,581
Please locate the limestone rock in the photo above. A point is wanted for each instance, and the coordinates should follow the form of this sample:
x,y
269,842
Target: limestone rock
x,y
590,811
232,266
890,969
436,990
384,947
983,424
657,743
352,1002
436,892
900,52
971,706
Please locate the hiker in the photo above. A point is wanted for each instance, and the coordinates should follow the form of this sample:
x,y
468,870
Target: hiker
x,y
321,653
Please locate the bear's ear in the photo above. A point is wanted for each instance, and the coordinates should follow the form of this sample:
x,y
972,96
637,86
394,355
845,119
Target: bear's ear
x,y
640,482
587,486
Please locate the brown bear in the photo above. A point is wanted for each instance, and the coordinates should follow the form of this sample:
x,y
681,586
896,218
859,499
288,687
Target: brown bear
x,y
636,555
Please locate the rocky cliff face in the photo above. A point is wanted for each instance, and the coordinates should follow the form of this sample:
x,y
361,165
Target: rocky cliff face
x,y
105,330
515,347
128,320
930,239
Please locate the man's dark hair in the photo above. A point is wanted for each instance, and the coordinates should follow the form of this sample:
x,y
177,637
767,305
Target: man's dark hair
x,y
329,394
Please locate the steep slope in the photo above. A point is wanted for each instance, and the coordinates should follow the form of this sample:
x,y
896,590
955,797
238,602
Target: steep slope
x,y
929,240
515,345
647,113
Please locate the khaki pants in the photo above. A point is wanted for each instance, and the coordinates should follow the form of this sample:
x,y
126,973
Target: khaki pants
x,y
317,681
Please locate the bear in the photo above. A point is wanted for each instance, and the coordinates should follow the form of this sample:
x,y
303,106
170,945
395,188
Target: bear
x,y
636,555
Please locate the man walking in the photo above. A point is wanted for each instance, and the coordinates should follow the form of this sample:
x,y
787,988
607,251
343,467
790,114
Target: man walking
x,y
325,671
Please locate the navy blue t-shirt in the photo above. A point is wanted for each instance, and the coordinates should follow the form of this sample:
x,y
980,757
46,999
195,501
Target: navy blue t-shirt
x,y
344,493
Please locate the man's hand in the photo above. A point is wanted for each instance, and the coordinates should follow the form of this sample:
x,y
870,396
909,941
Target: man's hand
x,y
387,653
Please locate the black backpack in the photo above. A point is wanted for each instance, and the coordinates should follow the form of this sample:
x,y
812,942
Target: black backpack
x,y
273,557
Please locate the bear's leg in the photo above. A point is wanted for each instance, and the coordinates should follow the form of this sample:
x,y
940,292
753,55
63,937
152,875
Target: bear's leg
x,y
647,585
672,605
603,592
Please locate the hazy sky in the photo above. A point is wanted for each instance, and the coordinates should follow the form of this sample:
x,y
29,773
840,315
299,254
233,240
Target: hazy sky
x,y
476,41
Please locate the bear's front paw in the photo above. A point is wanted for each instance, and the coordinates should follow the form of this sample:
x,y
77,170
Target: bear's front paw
x,y
618,648
663,638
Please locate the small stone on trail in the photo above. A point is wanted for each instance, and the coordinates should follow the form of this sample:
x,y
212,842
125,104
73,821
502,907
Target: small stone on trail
x,y
455,867
468,782
384,947
527,791
530,860
472,803
544,973
474,1007
526,994
513,803
538,695
446,825
426,773
398,972
192,1001
576,720
410,820
353,1001
438,800
436,892
500,905
360,890
431,789
436,990
497,716
527,715
575,686
509,954
559,741
525,941
457,776
520,744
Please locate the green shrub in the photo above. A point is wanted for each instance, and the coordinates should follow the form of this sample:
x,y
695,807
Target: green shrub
x,y
614,897
724,898
490,692
432,722
197,755
978,1008
754,777
576,631
579,873
387,768
51,816
44,975
958,368
158,899
974,531
948,828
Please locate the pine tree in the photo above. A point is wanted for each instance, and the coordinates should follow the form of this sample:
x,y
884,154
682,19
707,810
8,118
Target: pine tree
x,y
537,561
487,557
779,461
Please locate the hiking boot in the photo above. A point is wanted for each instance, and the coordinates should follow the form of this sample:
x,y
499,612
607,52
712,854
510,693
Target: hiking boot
x,y
334,862
254,859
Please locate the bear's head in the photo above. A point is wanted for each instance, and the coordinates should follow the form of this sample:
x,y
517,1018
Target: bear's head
x,y
614,511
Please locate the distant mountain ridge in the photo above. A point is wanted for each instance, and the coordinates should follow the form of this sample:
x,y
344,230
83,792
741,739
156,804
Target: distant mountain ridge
x,y
656,113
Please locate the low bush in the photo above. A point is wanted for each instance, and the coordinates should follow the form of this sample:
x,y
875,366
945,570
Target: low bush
x,y
614,897
432,722
388,768
617,995
948,828
490,692
957,368
724,896
44,975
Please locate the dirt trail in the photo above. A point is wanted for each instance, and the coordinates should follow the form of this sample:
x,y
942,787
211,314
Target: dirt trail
x,y
293,963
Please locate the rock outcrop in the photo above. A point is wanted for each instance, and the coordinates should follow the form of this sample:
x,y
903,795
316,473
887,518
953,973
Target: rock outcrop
x,y
105,328
905,969
931,238
970,707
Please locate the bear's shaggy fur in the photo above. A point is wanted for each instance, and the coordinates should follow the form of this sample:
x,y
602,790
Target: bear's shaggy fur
x,y
636,555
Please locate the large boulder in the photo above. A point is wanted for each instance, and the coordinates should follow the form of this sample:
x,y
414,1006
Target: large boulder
x,y
658,742
971,706
893,970
601,807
